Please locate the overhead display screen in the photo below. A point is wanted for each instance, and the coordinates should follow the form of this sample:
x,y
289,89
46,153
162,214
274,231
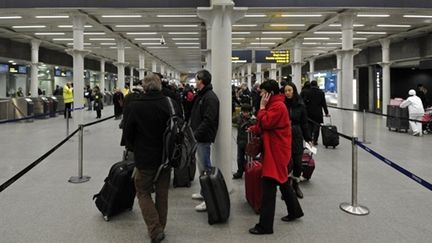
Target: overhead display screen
x,y
243,56
273,56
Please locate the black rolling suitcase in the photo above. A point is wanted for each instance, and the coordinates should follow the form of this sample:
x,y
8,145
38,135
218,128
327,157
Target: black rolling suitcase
x,y
185,173
216,196
184,176
118,192
330,137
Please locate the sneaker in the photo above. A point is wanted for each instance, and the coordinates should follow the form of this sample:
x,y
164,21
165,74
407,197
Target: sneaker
x,y
201,207
197,196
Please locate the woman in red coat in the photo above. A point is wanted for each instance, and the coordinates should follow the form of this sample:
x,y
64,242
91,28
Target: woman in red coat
x,y
275,129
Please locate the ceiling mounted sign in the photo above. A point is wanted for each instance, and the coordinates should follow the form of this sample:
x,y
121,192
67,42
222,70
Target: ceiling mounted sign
x,y
273,56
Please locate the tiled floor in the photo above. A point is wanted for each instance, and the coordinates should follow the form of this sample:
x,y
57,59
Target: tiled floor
x,y
43,207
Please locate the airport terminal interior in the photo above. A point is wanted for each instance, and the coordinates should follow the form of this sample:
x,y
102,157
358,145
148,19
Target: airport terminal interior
x,y
364,56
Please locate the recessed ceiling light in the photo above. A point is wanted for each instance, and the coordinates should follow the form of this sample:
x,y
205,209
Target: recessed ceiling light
x,y
287,25
241,33
11,61
255,15
245,25
374,15
29,26
276,32
394,25
180,25
262,43
151,43
301,15
176,15
108,44
339,25
10,17
53,17
184,39
132,26
316,38
62,39
328,32
183,33
70,26
94,33
371,33
269,38
418,16
50,33
14,63
122,16
141,33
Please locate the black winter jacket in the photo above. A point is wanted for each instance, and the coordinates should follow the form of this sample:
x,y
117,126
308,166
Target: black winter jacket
x,y
205,115
144,128
299,122
315,102
243,124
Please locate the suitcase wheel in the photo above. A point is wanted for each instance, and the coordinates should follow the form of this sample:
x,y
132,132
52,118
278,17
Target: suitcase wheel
x,y
106,218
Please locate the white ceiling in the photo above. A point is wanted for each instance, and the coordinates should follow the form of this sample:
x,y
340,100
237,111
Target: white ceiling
x,y
321,32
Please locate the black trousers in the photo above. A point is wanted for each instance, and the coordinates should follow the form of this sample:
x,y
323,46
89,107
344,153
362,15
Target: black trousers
x,y
241,158
68,107
269,203
98,113
315,130
297,164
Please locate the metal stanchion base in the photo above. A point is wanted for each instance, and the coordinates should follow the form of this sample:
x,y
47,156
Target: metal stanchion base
x,y
365,142
358,210
77,179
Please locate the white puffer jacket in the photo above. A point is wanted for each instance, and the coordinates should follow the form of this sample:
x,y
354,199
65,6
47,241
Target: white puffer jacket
x,y
414,104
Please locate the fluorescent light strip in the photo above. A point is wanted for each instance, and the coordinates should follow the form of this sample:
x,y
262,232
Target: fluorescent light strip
x,y
394,25
310,43
358,38
115,47
122,16
316,38
333,43
262,43
255,15
185,39
269,38
62,39
147,39
183,33
241,33
276,32
151,44
300,15
157,47
236,43
102,39
53,17
180,25
238,38
141,33
10,17
29,26
187,43
188,47
49,33
132,26
328,32
373,15
370,33
86,44
108,44
176,16
70,26
94,33
418,16
339,25
287,25
245,25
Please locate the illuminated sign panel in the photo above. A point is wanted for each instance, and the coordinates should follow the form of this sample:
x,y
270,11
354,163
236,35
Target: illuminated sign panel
x,y
274,56
244,56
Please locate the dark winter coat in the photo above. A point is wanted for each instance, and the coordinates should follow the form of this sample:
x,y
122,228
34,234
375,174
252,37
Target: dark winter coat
x,y
315,102
243,124
118,100
98,100
144,128
205,115
299,123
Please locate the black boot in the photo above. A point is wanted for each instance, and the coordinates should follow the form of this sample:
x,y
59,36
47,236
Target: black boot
x,y
296,188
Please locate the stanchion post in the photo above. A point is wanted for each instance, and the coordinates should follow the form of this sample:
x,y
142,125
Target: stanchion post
x,y
364,128
67,122
353,207
80,178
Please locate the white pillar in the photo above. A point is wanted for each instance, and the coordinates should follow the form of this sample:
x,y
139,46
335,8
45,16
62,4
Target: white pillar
x,y
347,60
121,64
339,78
154,66
34,83
273,69
141,65
208,51
243,75
385,44
258,73
249,76
311,68
221,16
279,74
162,70
102,75
131,78
297,64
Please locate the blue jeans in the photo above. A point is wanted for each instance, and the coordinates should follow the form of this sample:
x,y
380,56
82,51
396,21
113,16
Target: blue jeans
x,y
203,158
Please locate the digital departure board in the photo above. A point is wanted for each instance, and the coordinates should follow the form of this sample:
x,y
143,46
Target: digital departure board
x,y
273,56
243,56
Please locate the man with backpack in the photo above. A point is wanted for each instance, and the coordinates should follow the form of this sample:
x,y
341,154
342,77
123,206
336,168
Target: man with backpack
x,y
144,130
204,122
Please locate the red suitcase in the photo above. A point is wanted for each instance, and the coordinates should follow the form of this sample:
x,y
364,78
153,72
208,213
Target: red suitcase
x,y
308,165
253,185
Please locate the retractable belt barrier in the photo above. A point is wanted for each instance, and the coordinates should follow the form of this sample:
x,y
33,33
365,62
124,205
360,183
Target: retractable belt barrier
x,y
40,159
36,116
396,166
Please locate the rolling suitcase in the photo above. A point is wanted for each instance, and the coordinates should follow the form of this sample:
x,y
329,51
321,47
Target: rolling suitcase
x,y
216,196
253,185
330,137
118,192
184,176
308,166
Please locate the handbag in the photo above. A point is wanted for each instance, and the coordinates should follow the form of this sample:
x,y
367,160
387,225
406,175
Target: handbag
x,y
254,147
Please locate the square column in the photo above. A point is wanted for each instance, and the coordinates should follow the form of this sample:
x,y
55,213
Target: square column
x,y
121,64
34,83
141,65
297,64
102,76
385,64
347,61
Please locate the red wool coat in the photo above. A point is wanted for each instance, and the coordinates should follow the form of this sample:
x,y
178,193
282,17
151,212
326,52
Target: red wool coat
x,y
274,126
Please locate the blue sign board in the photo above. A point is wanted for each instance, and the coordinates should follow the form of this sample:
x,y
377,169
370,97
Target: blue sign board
x,y
243,56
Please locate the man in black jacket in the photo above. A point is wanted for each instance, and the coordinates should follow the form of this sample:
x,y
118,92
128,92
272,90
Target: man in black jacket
x,y
204,122
143,129
315,102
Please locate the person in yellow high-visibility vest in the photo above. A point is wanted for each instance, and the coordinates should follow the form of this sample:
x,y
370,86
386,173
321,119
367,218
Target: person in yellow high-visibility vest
x,y
125,90
68,98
